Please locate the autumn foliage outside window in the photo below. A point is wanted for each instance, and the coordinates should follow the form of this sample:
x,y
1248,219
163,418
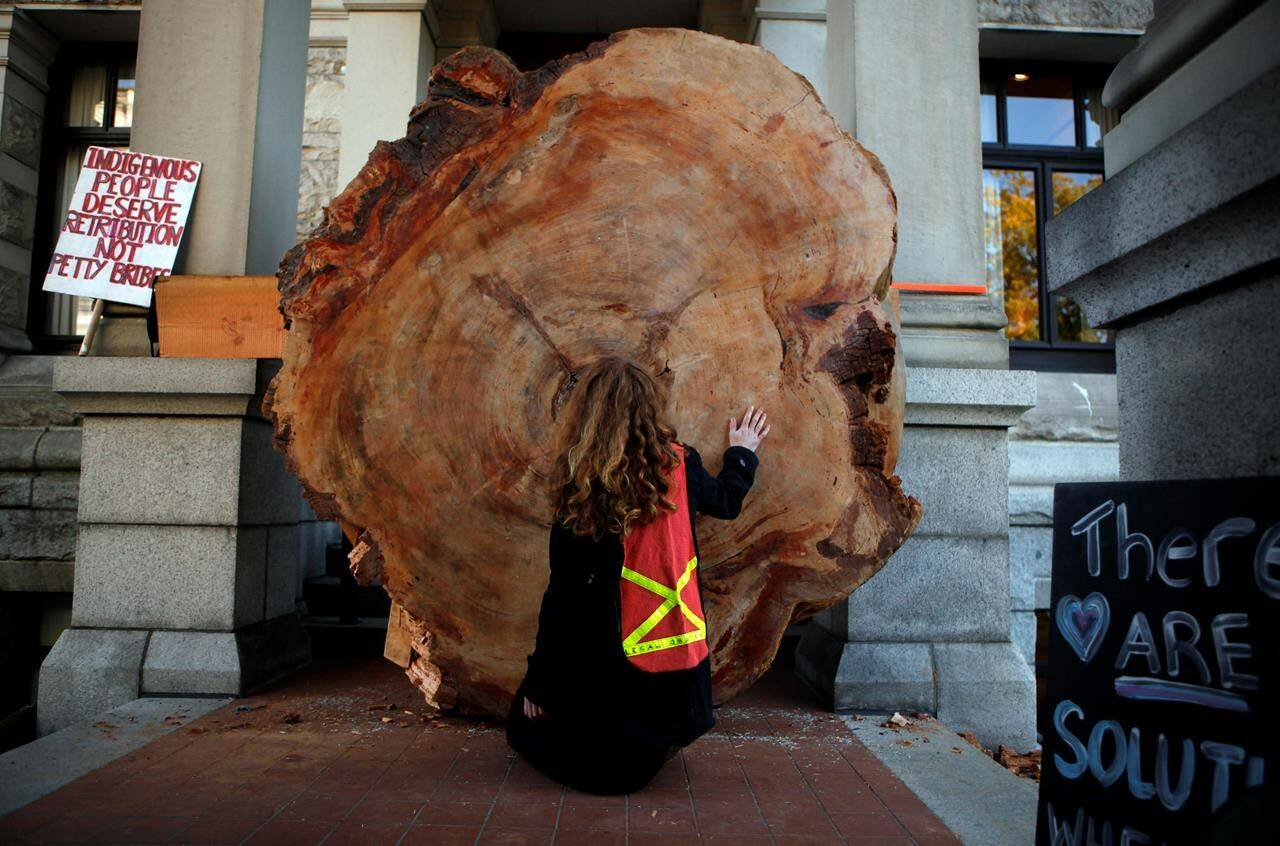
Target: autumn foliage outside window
x,y
1042,129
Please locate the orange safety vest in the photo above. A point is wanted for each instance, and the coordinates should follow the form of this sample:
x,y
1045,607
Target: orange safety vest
x,y
662,620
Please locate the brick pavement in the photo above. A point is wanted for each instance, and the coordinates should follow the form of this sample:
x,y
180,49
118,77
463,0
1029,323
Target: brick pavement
x,y
323,758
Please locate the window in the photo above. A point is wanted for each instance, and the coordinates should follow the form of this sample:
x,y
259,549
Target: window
x,y
90,104
1042,129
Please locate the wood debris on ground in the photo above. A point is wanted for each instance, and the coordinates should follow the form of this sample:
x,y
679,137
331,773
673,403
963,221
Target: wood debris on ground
x,y
1024,764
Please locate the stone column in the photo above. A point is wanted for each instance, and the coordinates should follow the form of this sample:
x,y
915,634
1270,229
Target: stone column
x,y
796,32
1177,251
222,83
389,56
186,556
931,631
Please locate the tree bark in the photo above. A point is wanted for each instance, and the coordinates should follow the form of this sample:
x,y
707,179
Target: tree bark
x,y
666,194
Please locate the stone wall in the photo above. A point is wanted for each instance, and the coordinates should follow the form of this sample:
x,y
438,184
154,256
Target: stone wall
x,y
321,129
1070,436
39,479
1091,14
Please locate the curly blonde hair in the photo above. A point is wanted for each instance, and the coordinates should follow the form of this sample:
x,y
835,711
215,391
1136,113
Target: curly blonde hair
x,y
614,451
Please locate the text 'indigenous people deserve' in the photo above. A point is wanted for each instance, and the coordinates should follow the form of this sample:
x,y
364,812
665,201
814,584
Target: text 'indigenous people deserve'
x,y
124,225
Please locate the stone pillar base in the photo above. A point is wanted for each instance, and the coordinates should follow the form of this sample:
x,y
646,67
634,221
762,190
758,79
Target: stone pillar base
x,y
93,670
978,687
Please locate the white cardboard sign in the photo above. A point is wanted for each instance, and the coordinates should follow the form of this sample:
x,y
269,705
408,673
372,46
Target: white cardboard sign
x,y
123,228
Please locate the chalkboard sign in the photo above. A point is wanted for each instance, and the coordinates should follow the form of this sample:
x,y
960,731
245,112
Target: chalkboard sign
x,y
1161,714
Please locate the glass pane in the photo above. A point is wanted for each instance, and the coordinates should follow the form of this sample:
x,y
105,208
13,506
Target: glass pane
x,y
1040,110
1098,121
1009,212
86,101
63,313
987,106
1069,187
126,83
1072,325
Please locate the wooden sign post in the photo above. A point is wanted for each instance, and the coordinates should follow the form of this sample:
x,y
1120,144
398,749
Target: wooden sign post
x,y
1159,724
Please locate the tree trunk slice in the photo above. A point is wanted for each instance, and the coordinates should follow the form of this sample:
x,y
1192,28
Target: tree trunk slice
x,y
666,194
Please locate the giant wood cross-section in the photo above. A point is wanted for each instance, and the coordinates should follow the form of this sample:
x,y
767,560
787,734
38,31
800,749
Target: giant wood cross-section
x,y
668,195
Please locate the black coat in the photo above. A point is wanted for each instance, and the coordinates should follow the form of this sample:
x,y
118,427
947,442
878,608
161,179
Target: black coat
x,y
578,670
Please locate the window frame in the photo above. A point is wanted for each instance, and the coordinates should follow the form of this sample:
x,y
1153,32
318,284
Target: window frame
x,y
1048,353
56,139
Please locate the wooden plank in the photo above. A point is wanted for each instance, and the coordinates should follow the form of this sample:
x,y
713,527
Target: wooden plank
x,y
219,317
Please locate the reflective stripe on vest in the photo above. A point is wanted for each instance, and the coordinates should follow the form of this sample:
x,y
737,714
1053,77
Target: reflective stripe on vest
x,y
632,644
659,574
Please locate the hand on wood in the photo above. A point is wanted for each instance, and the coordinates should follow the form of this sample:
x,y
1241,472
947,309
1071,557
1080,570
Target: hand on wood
x,y
751,431
533,712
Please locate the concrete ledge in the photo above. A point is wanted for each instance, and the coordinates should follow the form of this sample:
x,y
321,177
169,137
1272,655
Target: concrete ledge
x,y
225,663
156,386
87,672
192,662
987,688
37,576
939,396
55,760
980,801
1198,208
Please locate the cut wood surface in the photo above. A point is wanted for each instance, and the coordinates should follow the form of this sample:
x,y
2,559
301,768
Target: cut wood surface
x,y
219,317
668,195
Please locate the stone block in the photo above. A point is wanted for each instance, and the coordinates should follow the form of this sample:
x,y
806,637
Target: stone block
x,y
15,490
1030,558
14,291
1122,15
270,650
17,215
1072,407
1022,631
37,534
865,676
192,663
156,386
59,449
18,448
20,128
936,588
161,470
1043,588
169,577
940,396
1051,462
55,490
1030,505
88,671
282,589
987,688
934,457
26,381
251,575
268,492
1169,409
37,577
1197,209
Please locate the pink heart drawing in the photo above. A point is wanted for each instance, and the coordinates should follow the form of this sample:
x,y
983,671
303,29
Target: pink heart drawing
x,y
1083,622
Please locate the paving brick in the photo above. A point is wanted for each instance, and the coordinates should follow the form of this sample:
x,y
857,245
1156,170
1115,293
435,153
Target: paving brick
x,y
341,776
440,835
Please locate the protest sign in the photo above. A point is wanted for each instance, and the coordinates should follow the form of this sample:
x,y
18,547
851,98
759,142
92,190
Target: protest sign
x,y
124,225
1161,694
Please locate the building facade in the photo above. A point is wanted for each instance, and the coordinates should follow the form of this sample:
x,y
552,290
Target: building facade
x,y
987,114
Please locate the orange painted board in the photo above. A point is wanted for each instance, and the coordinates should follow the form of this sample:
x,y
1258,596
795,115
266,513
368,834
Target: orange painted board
x,y
940,288
219,317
